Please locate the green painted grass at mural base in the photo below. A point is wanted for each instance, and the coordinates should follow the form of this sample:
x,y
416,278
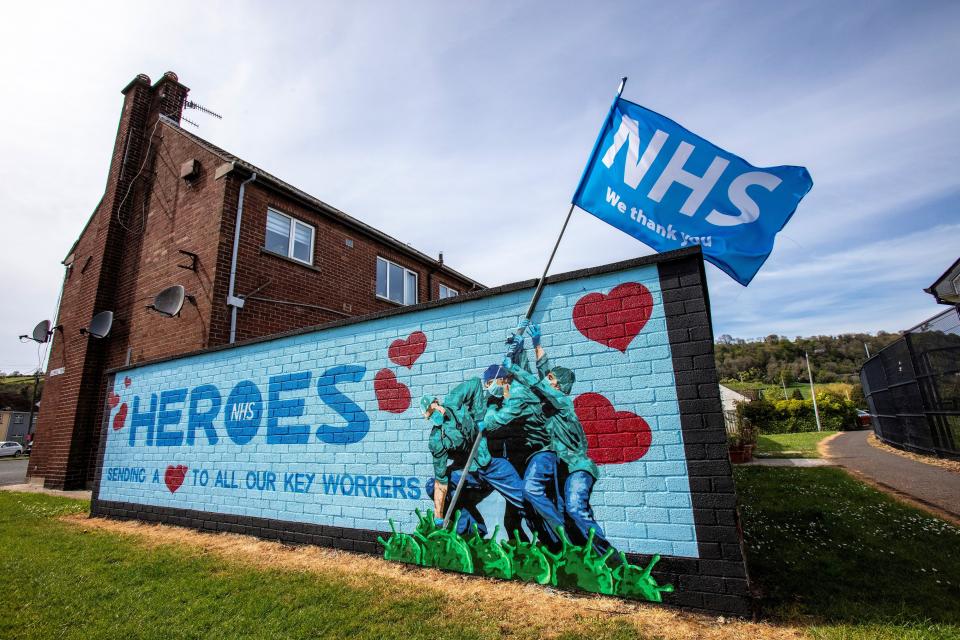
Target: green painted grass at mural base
x,y
829,551
790,445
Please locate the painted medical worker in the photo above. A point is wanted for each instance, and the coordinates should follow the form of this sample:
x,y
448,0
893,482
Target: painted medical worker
x,y
575,472
452,436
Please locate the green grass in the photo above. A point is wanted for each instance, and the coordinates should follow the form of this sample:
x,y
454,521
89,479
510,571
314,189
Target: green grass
x,y
827,553
849,561
790,445
61,581
772,392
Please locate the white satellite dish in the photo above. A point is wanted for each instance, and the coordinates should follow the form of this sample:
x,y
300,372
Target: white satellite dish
x,y
41,332
100,325
169,301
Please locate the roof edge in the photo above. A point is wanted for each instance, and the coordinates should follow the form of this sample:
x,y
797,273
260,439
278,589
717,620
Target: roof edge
x,y
245,168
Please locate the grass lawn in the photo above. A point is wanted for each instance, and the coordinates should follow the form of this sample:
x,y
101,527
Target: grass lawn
x,y
62,580
833,559
790,445
850,561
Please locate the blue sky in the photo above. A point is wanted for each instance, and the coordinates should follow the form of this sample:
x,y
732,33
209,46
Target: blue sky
x,y
464,127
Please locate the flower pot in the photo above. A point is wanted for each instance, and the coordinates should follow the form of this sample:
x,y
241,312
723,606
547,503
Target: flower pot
x,y
741,453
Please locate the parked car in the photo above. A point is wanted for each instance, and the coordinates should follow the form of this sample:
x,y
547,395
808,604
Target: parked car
x,y
864,419
11,449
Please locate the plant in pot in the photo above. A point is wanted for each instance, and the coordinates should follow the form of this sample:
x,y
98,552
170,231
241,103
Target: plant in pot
x,y
741,442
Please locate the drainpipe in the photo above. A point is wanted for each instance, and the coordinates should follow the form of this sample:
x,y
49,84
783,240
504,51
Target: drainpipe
x,y
232,300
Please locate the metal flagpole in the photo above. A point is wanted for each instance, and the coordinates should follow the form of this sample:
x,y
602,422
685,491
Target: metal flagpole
x,y
530,309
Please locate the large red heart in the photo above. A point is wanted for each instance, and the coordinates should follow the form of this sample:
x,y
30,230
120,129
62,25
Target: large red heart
x,y
613,437
174,477
121,418
616,318
406,352
392,395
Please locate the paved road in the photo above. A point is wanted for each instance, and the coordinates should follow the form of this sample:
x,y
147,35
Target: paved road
x,y
13,471
924,482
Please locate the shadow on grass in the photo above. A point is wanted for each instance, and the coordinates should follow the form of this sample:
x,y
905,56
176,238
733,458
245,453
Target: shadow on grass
x,y
823,547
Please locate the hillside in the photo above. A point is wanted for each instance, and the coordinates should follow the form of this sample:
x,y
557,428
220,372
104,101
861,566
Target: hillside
x,y
832,358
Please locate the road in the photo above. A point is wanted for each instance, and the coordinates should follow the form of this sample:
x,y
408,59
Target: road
x,y
13,471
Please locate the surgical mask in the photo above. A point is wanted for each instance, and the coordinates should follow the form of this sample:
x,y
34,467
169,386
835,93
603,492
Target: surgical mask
x,y
436,417
495,390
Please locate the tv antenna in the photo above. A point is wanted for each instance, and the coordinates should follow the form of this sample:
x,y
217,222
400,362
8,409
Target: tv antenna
x,y
190,104
100,325
169,301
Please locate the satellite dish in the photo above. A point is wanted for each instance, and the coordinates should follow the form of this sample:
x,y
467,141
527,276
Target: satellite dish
x,y
100,325
169,301
41,332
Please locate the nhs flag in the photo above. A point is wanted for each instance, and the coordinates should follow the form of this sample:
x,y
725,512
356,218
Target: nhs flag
x,y
669,188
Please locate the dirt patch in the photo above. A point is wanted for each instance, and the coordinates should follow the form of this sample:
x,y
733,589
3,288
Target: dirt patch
x,y
822,445
949,465
520,608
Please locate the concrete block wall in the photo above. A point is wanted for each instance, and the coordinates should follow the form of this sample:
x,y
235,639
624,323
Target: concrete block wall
x,y
316,437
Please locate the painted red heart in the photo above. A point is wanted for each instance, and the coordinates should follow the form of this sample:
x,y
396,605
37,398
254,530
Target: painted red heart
x,y
392,395
174,477
127,381
113,400
613,437
616,318
120,419
406,352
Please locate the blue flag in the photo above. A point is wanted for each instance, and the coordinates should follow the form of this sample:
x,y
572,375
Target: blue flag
x,y
669,188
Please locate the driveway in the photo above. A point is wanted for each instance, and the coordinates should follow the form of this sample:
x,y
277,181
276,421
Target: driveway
x,y
13,470
925,483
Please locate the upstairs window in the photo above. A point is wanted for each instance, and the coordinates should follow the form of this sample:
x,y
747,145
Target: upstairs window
x,y
396,283
447,292
289,237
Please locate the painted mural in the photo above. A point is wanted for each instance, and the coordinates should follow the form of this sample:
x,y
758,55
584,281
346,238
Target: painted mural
x,y
572,416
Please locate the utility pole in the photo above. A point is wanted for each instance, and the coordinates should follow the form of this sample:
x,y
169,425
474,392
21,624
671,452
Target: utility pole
x,y
813,393
33,403
784,385
867,349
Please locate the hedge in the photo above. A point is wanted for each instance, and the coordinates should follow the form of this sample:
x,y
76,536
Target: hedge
x,y
792,416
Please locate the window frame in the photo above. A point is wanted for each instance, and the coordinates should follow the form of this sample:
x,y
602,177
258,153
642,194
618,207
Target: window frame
x,y
406,272
451,292
291,237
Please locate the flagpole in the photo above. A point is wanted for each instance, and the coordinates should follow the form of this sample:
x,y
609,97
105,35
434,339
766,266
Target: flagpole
x,y
529,314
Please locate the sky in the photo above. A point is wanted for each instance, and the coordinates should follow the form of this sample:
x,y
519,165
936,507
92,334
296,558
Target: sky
x,y
464,128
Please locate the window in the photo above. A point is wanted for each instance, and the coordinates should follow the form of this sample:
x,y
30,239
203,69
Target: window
x,y
396,283
289,237
18,418
447,292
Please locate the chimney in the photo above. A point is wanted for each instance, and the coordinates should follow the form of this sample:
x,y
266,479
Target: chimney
x,y
169,96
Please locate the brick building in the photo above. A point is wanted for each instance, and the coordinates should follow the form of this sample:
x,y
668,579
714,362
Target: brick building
x,y
255,255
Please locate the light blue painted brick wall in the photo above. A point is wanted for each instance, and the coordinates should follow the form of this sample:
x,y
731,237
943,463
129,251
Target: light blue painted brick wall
x,y
644,506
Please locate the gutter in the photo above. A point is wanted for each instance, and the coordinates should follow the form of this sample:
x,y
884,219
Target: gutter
x,y
232,300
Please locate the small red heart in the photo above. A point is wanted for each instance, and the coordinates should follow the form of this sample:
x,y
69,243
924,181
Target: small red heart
x,y
120,419
113,400
616,318
174,477
406,352
613,437
127,381
392,395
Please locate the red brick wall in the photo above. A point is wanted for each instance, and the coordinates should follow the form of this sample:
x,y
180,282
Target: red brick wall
x,y
342,278
129,252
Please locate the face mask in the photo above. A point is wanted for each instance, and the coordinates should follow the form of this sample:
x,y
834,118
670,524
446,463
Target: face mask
x,y
495,390
436,417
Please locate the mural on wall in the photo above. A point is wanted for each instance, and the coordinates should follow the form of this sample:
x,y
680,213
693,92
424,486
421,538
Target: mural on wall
x,y
579,462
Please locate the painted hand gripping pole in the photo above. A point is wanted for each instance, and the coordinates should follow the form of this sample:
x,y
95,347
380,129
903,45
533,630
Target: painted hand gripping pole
x,y
602,465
